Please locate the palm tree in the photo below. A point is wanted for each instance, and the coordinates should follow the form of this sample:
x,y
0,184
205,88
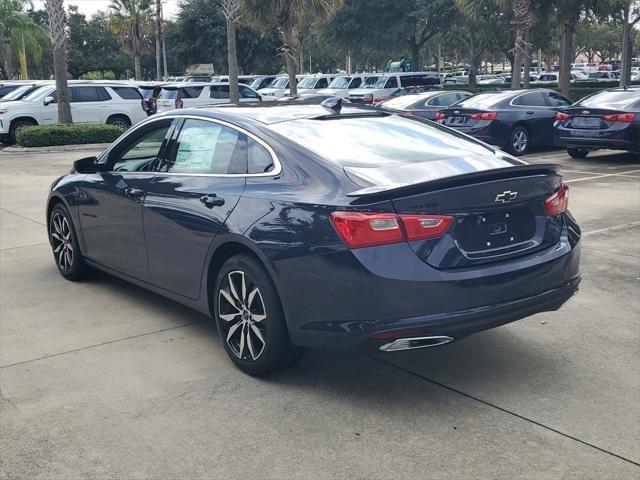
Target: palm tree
x,y
286,14
13,22
630,17
55,10
131,21
231,12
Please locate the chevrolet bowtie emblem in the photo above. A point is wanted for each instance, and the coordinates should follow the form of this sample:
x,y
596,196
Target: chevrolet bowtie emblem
x,y
506,196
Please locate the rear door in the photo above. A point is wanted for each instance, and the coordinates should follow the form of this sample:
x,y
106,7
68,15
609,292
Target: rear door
x,y
194,191
536,114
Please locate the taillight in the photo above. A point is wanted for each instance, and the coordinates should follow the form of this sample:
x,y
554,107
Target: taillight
x,y
422,227
619,117
440,116
562,117
367,229
558,202
484,116
178,103
359,230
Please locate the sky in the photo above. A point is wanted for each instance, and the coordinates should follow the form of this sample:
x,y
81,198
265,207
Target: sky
x,y
91,6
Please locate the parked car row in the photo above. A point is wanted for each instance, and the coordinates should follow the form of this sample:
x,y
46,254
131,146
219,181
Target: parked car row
x,y
517,120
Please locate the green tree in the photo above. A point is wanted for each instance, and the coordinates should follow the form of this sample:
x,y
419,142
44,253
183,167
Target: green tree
x,y
263,14
132,22
15,25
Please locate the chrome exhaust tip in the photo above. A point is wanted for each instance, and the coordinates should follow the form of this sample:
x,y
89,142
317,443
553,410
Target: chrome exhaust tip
x,y
415,342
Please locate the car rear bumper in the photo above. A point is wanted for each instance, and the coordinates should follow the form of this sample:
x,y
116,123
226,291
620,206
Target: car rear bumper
x,y
595,143
367,297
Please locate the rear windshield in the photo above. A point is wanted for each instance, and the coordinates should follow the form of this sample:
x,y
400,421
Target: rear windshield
x,y
405,101
375,141
611,99
484,100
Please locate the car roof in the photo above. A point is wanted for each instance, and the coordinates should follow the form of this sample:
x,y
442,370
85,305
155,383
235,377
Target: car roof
x,y
270,114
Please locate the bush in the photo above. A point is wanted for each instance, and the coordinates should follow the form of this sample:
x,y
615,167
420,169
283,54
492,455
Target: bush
x,y
47,135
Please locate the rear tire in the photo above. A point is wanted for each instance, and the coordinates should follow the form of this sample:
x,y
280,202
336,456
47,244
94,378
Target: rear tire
x,y
577,152
119,121
64,243
249,316
519,141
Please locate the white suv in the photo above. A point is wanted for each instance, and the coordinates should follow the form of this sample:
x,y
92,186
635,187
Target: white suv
x,y
185,95
388,83
341,86
91,102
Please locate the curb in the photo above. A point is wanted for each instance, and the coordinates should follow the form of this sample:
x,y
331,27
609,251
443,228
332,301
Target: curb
x,y
55,148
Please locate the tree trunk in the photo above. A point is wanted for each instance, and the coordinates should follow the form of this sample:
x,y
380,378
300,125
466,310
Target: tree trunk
x,y
136,66
526,61
625,64
517,62
472,62
566,57
7,58
158,40
288,55
301,53
415,56
232,59
55,10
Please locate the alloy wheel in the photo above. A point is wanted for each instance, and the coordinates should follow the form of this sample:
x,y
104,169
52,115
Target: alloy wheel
x,y
242,310
520,141
61,241
120,123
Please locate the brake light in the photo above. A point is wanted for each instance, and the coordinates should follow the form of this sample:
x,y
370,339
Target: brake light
x,y
179,103
562,117
558,202
422,227
440,116
367,229
484,116
619,117
359,229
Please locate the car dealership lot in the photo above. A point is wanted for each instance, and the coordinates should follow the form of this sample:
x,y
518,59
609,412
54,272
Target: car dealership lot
x,y
103,379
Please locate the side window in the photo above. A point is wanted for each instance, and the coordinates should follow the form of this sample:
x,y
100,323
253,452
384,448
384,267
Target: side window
x,y
220,92
246,92
208,147
322,83
462,96
392,82
128,93
355,82
557,100
259,158
533,99
86,94
139,155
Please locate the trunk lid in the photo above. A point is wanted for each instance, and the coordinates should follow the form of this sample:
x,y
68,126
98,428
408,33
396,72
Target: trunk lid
x,y
498,214
582,118
463,117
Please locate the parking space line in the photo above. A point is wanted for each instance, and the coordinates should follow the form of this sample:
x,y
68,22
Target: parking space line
x,y
22,216
504,410
604,175
615,228
99,344
590,173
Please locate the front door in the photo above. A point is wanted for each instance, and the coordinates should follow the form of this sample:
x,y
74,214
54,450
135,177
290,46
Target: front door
x,y
111,205
194,191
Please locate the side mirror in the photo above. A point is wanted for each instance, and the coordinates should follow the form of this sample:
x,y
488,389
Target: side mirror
x,y
86,165
48,100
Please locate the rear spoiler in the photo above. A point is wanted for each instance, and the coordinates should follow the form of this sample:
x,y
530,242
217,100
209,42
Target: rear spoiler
x,y
458,180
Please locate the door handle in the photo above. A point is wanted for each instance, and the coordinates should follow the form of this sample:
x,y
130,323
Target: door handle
x,y
133,193
529,112
212,200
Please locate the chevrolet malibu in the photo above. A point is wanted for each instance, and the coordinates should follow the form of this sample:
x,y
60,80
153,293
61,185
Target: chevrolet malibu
x,y
299,226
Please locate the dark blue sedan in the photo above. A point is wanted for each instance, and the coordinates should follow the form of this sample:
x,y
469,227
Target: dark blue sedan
x,y
607,119
514,120
301,226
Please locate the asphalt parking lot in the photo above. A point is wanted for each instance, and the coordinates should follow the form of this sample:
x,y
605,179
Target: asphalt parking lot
x,y
101,379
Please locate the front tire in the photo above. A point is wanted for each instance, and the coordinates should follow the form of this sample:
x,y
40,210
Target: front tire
x,y
577,152
17,125
519,141
64,243
249,315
